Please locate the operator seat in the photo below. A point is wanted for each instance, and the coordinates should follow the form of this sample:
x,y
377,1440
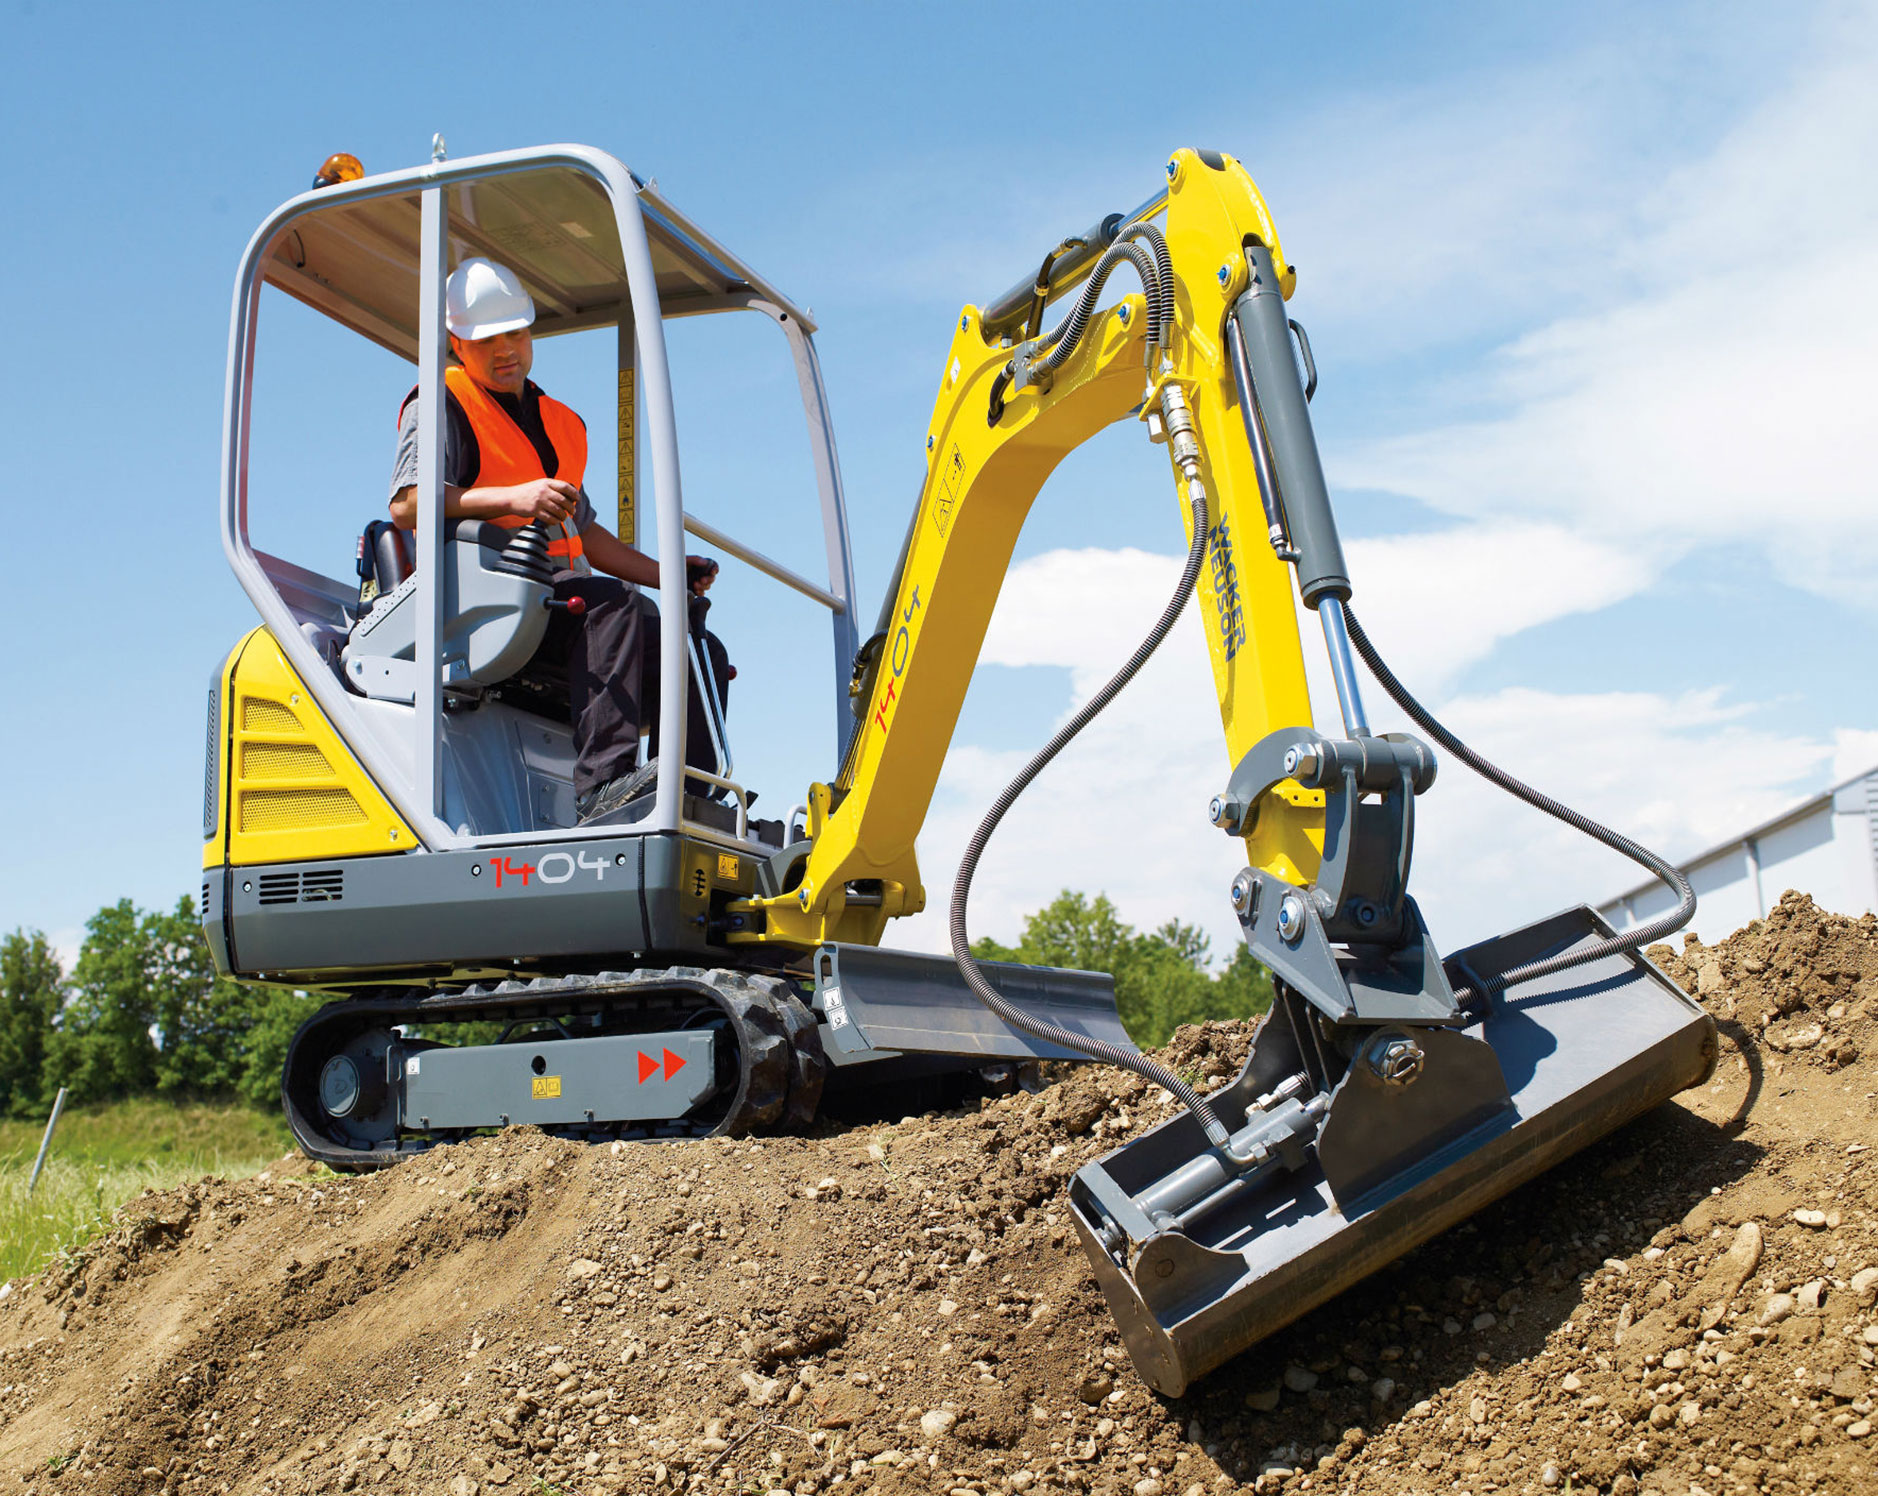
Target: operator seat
x,y
497,583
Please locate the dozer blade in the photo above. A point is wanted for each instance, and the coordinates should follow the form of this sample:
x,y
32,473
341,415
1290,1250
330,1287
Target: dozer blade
x,y
876,1002
1558,1063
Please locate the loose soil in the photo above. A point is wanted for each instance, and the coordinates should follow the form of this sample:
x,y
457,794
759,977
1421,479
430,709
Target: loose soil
x,y
1687,1307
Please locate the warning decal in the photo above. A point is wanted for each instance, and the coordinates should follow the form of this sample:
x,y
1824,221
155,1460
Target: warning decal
x,y
650,1066
948,496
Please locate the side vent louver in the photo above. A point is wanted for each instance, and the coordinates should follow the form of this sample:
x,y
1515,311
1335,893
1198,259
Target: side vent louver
x,y
321,886
280,888
325,886
212,761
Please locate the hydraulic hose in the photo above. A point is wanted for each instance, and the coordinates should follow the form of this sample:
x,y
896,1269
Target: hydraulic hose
x,y
1156,273
1630,940
1151,235
1108,1054
1077,322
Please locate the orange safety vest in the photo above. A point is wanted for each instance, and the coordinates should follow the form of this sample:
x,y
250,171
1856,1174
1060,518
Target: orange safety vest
x,y
508,457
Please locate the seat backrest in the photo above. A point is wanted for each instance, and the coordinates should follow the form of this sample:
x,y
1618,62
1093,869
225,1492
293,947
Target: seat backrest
x,y
386,557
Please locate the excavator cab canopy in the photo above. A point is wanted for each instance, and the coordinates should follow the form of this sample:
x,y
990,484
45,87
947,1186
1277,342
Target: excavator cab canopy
x,y
354,253
596,246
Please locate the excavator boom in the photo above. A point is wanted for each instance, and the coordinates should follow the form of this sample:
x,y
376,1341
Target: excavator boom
x,y
1391,1092
996,434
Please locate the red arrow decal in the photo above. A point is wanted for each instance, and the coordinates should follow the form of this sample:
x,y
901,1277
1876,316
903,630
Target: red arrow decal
x,y
648,1066
673,1064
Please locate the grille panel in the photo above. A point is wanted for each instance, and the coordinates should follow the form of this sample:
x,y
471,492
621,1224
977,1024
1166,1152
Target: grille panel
x,y
260,715
326,886
283,761
320,886
212,761
299,809
280,888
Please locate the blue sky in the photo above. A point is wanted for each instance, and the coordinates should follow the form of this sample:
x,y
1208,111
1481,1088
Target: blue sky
x,y
1591,291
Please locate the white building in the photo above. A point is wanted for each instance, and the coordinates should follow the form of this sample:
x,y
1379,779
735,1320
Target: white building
x,y
1826,846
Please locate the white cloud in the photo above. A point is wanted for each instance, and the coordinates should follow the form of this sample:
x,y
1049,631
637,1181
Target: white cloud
x,y
1728,397
1436,603
1427,216
1677,773
1123,810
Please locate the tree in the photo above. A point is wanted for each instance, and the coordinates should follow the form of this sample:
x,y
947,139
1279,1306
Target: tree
x,y
273,1017
102,1048
147,1012
1245,986
1161,979
1188,942
32,988
203,1020
1071,931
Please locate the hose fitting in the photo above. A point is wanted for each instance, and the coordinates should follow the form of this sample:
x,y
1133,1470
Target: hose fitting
x,y
1177,423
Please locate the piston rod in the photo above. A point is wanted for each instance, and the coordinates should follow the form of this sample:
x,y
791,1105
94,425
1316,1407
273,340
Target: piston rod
x,y
1342,667
1278,1126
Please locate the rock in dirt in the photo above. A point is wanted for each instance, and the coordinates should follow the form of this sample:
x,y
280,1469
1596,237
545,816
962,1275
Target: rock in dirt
x,y
937,1423
1718,1287
1299,1379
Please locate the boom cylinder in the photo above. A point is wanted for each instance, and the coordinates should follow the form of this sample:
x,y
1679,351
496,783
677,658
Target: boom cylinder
x,y
1004,317
1278,396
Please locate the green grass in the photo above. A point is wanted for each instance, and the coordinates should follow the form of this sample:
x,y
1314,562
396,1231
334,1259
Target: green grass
x,y
104,1156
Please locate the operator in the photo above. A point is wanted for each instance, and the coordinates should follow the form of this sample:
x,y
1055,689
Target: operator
x,y
512,455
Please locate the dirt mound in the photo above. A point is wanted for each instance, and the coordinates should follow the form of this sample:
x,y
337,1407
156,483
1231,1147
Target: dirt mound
x,y
1795,979
903,1308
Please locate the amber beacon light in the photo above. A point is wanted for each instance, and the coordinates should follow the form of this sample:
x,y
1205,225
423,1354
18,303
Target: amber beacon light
x,y
339,167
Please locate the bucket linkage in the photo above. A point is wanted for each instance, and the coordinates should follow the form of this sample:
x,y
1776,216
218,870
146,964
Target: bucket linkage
x,y
1388,1095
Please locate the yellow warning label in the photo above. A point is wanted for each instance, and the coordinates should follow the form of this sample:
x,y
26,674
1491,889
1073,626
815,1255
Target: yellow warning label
x,y
728,867
628,476
948,497
546,1087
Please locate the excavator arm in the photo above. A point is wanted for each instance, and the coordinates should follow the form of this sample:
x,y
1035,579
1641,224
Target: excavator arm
x,y
1000,425
1390,1092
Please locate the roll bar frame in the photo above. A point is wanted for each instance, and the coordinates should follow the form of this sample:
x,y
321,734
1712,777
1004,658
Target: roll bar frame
x,y
418,797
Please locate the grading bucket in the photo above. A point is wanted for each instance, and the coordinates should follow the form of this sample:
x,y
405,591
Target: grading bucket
x,y
1579,1054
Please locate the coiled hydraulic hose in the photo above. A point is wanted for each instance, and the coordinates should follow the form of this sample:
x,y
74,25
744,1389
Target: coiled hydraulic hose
x,y
1630,940
1077,322
1154,267
1163,294
1096,1049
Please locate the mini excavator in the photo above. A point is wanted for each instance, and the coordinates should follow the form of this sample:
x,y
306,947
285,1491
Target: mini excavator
x,y
389,821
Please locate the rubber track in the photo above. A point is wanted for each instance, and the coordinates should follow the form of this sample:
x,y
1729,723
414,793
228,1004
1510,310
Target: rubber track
x,y
779,1081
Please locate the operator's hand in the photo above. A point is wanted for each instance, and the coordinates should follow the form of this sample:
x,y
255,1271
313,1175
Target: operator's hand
x,y
700,572
546,499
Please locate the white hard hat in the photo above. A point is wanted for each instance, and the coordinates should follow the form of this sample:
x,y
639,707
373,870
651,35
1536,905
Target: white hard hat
x,y
484,298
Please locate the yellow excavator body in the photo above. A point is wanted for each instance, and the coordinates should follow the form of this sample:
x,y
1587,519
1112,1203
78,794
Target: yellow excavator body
x,y
390,813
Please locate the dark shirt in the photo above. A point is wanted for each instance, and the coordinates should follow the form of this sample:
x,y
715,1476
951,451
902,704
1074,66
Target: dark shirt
x,y
462,457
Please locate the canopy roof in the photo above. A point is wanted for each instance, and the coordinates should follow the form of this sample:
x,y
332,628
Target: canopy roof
x,y
353,253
